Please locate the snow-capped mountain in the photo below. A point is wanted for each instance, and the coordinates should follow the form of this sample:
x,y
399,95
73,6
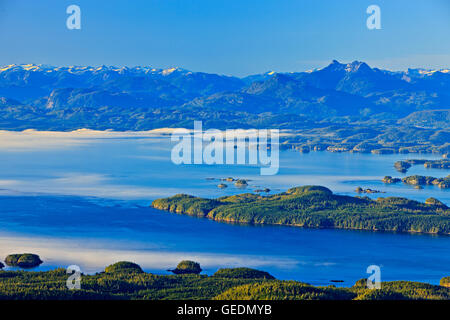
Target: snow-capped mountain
x,y
339,89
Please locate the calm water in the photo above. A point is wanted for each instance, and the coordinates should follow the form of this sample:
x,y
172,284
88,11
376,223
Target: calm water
x,y
85,202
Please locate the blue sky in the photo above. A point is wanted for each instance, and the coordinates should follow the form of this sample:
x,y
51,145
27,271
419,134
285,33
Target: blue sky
x,y
234,37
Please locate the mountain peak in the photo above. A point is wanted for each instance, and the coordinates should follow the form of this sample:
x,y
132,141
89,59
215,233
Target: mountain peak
x,y
279,77
357,66
335,62
168,71
335,65
349,67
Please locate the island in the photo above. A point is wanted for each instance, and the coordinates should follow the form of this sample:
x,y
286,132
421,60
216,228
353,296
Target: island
x,y
125,280
316,207
187,267
419,181
368,190
241,183
123,267
242,273
383,151
23,260
404,165
389,180
222,186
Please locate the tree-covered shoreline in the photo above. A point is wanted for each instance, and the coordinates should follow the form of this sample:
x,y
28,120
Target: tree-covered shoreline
x,y
127,281
316,207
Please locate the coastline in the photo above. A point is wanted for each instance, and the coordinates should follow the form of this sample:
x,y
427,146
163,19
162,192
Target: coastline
x,y
290,139
234,222
125,280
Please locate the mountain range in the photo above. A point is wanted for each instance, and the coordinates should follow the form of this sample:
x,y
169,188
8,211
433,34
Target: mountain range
x,y
47,97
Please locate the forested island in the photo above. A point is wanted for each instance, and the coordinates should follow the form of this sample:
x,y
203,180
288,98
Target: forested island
x,y
416,180
23,260
317,207
404,165
126,280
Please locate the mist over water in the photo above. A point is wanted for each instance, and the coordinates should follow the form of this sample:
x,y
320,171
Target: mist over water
x,y
135,167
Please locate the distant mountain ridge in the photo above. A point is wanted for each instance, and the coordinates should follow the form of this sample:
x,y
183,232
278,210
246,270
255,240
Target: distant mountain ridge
x,y
145,97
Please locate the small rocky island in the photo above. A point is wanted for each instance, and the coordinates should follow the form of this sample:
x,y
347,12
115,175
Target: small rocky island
x,y
187,267
390,180
368,190
242,273
124,267
420,181
238,183
404,165
23,260
241,183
